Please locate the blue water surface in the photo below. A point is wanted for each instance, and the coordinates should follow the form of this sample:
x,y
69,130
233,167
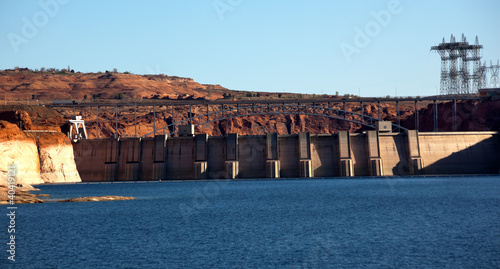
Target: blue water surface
x,y
438,222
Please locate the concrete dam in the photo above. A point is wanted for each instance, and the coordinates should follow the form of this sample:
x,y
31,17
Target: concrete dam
x,y
372,153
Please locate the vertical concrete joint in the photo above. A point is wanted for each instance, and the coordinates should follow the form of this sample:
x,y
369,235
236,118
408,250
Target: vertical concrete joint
x,y
159,148
159,153
112,148
111,159
131,148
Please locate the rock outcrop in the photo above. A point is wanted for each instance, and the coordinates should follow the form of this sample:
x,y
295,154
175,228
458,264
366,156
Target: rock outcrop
x,y
22,196
57,163
98,199
19,117
22,151
39,157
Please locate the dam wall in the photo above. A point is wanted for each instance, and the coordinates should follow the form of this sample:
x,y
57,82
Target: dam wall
x,y
287,156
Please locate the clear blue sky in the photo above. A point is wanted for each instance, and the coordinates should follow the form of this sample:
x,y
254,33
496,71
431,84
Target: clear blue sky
x,y
255,45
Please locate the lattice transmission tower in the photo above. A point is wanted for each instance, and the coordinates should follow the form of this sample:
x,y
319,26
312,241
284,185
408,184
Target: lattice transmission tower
x,y
494,81
457,77
484,71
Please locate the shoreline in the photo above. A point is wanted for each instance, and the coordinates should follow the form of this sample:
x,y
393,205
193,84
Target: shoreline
x,y
262,179
24,195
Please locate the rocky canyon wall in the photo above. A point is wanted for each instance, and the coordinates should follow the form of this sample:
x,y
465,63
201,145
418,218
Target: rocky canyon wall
x,y
39,156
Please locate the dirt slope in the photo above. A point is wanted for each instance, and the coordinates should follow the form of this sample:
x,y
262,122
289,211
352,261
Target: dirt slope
x,y
70,86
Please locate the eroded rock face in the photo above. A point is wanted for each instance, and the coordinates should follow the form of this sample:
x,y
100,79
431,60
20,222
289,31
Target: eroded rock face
x,y
39,157
16,148
18,116
57,163
24,154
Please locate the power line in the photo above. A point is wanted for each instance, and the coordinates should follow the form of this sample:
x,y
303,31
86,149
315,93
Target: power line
x,y
456,76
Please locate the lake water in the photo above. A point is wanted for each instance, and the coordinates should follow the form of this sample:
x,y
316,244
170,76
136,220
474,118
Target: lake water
x,y
447,222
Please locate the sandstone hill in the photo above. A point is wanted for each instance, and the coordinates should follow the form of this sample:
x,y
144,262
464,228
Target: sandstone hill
x,y
25,84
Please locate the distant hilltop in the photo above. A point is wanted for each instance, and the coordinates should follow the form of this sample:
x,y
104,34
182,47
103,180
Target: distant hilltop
x,y
66,84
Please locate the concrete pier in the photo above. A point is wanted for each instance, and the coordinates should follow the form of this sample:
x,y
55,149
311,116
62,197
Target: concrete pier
x,y
232,169
272,156
344,144
201,152
273,169
288,156
200,170
375,161
232,164
305,161
415,160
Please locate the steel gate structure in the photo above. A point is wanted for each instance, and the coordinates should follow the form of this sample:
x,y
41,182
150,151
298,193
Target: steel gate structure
x,y
213,111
